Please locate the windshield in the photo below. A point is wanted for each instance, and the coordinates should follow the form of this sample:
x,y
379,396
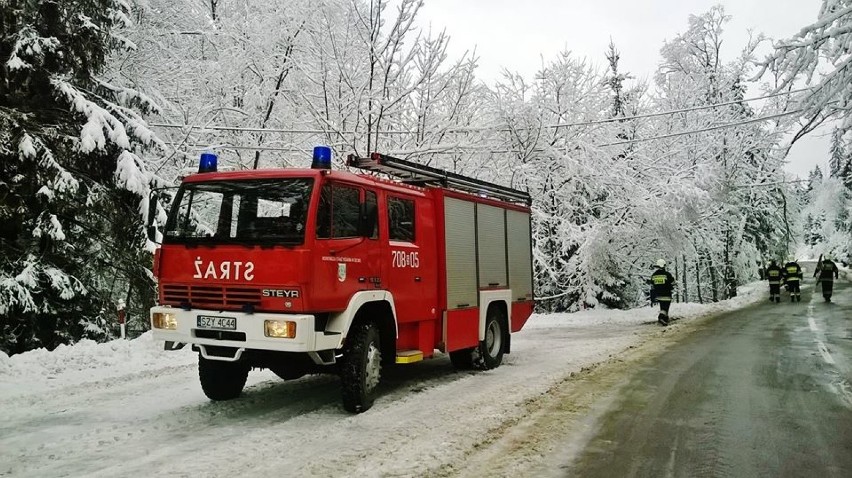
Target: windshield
x,y
246,211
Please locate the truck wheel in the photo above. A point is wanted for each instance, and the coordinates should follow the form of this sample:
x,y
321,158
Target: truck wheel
x,y
462,359
222,380
489,354
361,368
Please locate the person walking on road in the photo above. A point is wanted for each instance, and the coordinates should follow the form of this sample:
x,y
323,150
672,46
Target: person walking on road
x,y
793,276
826,271
774,274
662,282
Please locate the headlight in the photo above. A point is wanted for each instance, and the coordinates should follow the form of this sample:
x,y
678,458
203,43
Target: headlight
x,y
164,320
280,329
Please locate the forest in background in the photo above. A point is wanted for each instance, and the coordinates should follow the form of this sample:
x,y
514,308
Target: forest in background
x,y
103,100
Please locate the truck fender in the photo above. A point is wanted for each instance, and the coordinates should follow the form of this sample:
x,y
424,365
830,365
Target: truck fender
x,y
486,298
339,323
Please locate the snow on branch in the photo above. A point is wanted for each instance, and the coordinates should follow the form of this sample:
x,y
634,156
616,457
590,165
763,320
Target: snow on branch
x,y
31,46
14,296
17,290
109,124
825,44
99,120
130,174
48,225
63,181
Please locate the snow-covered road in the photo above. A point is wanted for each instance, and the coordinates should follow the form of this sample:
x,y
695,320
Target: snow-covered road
x,y
127,408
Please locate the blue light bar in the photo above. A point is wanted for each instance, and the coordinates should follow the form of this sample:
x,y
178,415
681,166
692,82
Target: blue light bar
x,y
208,163
322,158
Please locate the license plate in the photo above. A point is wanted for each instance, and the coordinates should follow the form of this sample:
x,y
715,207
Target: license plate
x,y
213,322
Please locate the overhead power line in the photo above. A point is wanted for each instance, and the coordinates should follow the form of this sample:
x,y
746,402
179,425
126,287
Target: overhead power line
x,y
453,149
702,130
477,129
671,112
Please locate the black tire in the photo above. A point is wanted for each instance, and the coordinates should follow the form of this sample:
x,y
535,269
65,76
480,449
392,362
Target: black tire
x,y
462,359
361,368
222,380
489,354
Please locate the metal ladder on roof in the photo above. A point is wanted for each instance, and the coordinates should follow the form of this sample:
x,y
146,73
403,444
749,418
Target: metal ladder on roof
x,y
413,173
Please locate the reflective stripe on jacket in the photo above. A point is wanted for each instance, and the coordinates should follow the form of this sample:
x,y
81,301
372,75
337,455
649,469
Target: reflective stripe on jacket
x,y
662,282
774,275
792,272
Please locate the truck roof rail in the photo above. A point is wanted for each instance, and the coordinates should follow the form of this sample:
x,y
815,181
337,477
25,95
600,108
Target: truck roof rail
x,y
419,174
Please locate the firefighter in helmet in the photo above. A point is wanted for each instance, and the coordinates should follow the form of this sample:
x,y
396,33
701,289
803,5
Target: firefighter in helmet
x,y
662,283
793,277
827,271
773,275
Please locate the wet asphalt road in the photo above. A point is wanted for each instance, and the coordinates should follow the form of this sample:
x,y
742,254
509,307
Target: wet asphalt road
x,y
762,392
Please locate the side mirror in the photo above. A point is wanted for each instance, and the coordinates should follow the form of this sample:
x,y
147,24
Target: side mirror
x,y
151,226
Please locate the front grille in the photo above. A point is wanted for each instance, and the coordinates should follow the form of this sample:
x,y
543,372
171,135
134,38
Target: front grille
x,y
211,296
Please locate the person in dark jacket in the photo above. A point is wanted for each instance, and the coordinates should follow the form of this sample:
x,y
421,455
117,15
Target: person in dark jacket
x,y
662,284
827,272
774,274
793,277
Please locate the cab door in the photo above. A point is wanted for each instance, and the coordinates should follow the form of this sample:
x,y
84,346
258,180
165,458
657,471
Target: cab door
x,y
347,248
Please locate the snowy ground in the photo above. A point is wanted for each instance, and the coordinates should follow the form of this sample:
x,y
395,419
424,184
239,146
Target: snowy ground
x,y
128,408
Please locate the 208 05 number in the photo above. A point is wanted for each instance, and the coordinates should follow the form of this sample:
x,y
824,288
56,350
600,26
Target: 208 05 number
x,y
405,259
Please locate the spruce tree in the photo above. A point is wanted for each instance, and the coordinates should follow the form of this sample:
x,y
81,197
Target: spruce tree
x,y
837,154
814,178
72,181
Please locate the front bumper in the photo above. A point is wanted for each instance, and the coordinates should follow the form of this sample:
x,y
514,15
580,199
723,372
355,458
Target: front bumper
x,y
251,325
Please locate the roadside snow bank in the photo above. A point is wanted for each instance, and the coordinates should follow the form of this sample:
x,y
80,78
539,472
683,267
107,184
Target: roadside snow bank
x,y
747,294
86,361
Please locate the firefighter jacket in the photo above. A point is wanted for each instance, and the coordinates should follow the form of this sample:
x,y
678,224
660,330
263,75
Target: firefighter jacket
x,y
827,271
774,274
662,282
792,271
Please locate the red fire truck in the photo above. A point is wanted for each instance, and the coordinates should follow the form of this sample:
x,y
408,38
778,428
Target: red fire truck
x,y
314,270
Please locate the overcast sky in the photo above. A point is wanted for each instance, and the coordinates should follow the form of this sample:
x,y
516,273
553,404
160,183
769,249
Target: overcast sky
x,y
516,35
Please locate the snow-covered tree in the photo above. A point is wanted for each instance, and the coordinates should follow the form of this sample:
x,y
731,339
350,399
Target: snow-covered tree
x,y
576,193
815,177
826,217
726,172
276,78
825,44
73,181
840,159
229,64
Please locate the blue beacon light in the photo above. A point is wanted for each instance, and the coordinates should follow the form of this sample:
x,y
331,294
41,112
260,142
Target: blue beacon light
x,y
322,158
208,163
